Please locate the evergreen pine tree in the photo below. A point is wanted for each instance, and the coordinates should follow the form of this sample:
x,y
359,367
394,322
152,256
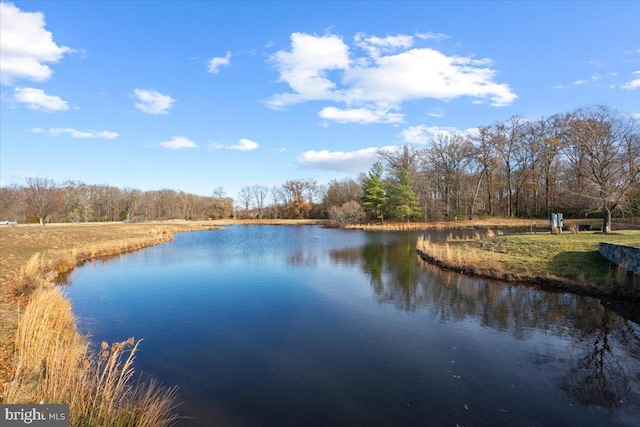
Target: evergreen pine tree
x,y
374,199
407,203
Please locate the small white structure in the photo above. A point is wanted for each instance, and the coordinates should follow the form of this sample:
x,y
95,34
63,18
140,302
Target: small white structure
x,y
555,220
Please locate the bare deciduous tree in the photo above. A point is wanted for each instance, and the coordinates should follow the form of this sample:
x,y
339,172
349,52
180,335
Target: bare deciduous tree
x,y
508,138
483,162
448,156
551,132
259,193
77,202
341,192
12,202
132,199
244,197
603,147
300,193
220,205
406,159
44,198
277,197
349,213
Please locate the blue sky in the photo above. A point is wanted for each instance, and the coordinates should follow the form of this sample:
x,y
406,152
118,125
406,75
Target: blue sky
x,y
196,95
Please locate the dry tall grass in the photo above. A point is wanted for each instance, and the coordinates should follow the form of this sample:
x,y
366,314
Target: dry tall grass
x,y
451,255
54,366
29,276
46,265
49,359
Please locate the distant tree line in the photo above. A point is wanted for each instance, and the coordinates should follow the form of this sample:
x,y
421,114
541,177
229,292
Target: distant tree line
x,y
43,200
582,163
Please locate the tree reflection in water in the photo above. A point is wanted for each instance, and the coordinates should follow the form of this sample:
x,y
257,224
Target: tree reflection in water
x,y
605,371
602,361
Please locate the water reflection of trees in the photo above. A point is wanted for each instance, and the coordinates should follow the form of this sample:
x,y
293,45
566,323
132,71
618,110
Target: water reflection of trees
x,y
398,277
608,372
602,363
307,258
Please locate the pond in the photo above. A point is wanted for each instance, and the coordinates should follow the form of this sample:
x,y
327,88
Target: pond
x,y
302,325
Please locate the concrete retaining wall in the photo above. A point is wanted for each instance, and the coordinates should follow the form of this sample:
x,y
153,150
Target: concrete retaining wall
x,y
619,254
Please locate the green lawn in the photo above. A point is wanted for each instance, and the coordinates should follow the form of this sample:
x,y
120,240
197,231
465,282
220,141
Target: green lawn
x,y
573,256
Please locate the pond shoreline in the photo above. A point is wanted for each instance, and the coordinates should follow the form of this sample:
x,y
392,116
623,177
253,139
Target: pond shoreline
x,y
50,251
31,255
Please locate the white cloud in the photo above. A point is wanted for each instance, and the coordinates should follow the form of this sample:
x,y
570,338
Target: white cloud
x,y
422,134
74,133
305,68
592,79
26,46
37,99
436,112
243,144
340,161
635,116
153,102
633,84
432,36
177,143
416,134
392,71
376,46
360,115
214,64
426,73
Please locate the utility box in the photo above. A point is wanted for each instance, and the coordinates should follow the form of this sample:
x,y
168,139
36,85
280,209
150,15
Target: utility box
x,y
555,220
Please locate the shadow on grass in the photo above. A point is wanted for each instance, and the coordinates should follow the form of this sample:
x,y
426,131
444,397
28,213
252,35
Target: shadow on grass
x,y
594,274
589,266
593,269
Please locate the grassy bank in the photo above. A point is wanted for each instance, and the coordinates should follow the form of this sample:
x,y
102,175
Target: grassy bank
x,y
53,364
43,357
569,261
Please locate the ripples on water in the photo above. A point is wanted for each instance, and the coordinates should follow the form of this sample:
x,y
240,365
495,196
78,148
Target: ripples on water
x,y
275,325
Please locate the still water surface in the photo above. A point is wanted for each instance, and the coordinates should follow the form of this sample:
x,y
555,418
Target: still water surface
x,y
304,326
